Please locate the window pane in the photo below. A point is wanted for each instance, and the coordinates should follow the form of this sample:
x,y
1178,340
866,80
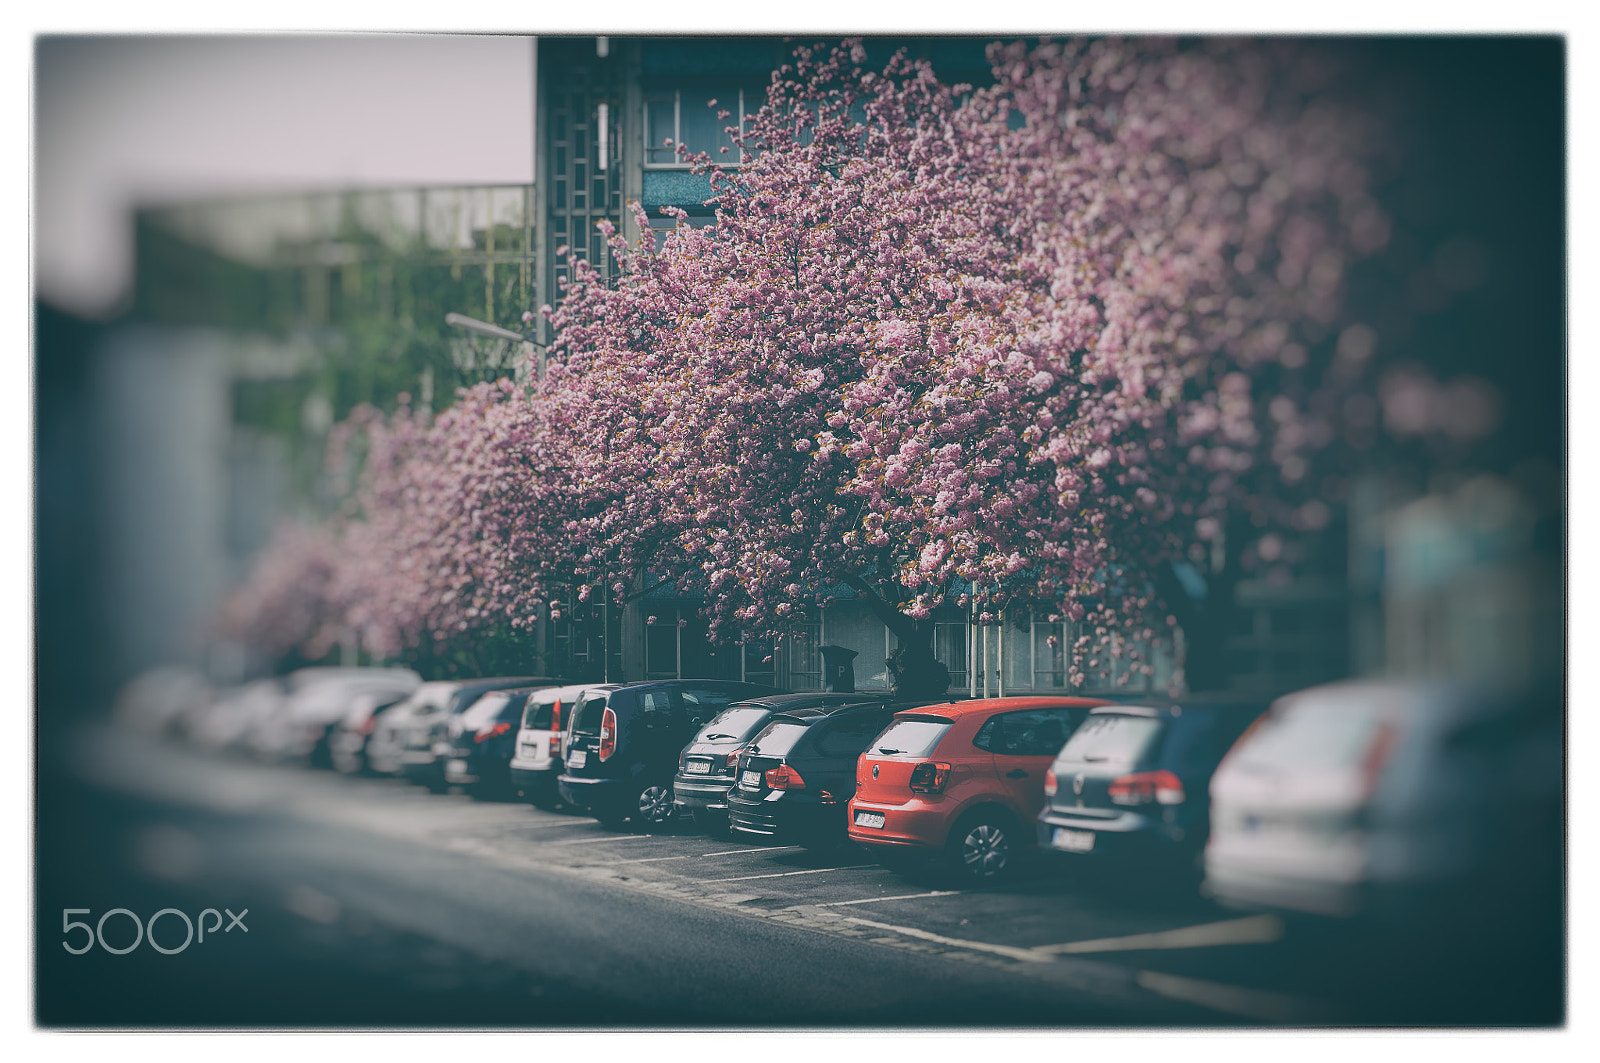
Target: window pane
x,y
658,128
910,738
701,128
1111,739
661,649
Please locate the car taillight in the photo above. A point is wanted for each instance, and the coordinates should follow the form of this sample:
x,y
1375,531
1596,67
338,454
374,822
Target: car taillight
x,y
483,734
732,760
929,777
1377,756
783,777
1050,782
371,722
555,716
1143,787
555,745
608,734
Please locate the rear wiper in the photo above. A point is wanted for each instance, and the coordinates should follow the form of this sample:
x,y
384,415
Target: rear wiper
x,y
1095,760
710,737
891,752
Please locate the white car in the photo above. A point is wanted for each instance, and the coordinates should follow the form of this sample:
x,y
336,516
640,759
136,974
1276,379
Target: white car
x,y
1389,800
537,760
316,702
392,726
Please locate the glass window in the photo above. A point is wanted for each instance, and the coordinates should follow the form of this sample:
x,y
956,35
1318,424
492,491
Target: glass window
x,y
685,116
849,735
1311,738
484,709
660,126
538,715
950,647
586,716
733,725
1111,739
804,657
777,738
910,737
1031,733
661,646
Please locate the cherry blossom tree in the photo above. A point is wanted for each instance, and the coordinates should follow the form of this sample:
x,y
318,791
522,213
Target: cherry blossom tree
x,y
1036,340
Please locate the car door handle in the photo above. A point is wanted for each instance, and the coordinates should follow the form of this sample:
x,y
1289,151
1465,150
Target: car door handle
x,y
1017,774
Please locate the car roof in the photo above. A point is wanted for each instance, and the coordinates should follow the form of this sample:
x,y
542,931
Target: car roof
x,y
1169,706
778,702
811,714
956,709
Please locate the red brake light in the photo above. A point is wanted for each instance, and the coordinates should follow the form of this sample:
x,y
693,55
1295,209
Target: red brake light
x,y
483,734
608,734
1377,755
929,777
369,724
732,762
555,716
1050,784
783,777
1143,787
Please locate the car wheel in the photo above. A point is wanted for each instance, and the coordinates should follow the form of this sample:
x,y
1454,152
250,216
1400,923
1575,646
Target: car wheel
x,y
982,847
654,805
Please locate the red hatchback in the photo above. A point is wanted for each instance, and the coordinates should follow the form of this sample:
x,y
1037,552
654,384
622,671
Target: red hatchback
x,y
964,781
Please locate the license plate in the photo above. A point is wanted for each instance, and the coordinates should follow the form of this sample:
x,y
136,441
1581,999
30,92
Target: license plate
x,y
698,767
1073,841
869,819
577,758
750,780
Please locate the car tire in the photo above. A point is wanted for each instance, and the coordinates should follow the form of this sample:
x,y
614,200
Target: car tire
x,y
652,806
983,847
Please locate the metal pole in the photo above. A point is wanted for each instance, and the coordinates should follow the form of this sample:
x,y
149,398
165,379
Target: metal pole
x,y
972,649
1000,654
986,660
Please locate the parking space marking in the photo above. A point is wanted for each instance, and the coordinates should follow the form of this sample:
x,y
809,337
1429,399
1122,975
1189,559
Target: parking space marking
x,y
1011,951
1251,930
1257,1004
786,874
898,897
615,838
703,856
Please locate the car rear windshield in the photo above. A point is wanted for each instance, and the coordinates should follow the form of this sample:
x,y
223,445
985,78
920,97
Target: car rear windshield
x,y
538,715
915,737
1310,737
778,738
733,725
484,709
1107,738
586,719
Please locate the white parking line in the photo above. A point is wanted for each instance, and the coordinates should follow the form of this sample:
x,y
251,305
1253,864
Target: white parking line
x,y
899,897
617,838
703,856
1252,930
1235,1000
786,874
1026,955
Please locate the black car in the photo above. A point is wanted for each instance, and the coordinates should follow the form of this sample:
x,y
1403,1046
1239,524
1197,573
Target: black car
x,y
426,740
623,745
1132,782
482,741
796,777
705,767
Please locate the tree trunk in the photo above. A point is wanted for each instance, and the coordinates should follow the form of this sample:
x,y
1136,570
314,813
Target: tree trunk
x,y
915,674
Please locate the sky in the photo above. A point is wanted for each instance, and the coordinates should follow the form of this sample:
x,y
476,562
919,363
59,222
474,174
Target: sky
x,y
130,121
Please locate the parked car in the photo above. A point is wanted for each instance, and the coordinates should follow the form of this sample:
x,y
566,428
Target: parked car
x,y
312,711
426,739
797,776
1131,785
348,738
1395,801
961,782
622,747
391,727
706,765
227,722
482,741
536,762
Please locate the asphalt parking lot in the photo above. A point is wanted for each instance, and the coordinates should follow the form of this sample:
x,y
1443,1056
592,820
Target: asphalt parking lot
x,y
324,852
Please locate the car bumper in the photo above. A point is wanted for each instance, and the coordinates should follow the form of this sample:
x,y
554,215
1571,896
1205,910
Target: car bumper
x,y
1126,834
533,780
786,820
699,793
909,826
590,794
